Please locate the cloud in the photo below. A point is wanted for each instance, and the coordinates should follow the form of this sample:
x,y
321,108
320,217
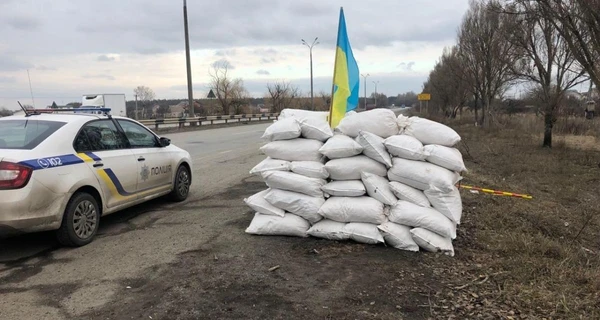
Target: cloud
x,y
157,25
11,63
45,68
105,58
4,79
24,23
225,53
407,66
222,63
263,72
261,35
99,76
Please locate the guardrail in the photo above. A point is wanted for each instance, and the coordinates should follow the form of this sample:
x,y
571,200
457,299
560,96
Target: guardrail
x,y
197,121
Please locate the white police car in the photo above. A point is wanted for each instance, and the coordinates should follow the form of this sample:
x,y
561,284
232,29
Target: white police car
x,y
63,171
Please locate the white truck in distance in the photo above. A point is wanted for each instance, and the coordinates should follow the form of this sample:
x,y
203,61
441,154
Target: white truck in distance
x,y
116,102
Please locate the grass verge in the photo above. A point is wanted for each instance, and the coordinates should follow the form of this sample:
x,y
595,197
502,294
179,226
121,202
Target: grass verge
x,y
535,258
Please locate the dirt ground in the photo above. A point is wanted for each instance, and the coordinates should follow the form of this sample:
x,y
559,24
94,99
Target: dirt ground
x,y
514,258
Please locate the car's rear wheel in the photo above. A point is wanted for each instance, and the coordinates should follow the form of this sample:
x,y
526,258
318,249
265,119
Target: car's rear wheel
x,y
181,185
80,221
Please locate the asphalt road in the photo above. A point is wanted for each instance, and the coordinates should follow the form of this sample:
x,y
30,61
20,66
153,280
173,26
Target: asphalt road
x,y
48,282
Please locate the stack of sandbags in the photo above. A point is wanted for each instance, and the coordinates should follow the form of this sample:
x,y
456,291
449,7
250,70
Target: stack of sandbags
x,y
294,173
376,179
358,191
303,114
425,170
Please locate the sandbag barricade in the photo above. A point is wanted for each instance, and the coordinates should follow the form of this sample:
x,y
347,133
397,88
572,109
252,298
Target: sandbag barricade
x,y
372,180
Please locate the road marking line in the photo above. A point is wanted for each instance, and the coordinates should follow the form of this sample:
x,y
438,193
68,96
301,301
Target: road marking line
x,y
225,151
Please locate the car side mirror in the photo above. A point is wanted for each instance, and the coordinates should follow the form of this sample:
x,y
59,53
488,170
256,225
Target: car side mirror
x,y
165,142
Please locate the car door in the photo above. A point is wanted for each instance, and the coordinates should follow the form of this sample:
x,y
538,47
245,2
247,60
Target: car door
x,y
105,150
155,163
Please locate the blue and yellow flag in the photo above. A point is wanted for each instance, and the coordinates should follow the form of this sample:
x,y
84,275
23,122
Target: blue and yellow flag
x,y
346,77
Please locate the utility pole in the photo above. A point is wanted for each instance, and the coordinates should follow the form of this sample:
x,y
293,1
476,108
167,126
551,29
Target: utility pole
x,y
375,82
136,113
310,47
189,66
365,77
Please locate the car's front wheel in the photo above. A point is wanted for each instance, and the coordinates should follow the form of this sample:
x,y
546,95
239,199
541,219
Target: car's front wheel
x,y
80,221
181,185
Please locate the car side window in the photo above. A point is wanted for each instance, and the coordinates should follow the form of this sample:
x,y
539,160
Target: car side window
x,y
99,135
138,136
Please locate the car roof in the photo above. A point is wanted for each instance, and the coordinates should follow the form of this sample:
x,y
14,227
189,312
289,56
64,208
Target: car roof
x,y
62,117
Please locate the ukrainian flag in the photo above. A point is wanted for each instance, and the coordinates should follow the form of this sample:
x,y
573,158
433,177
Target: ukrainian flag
x,y
346,77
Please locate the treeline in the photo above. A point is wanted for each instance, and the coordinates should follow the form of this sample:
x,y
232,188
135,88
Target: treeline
x,y
546,47
231,97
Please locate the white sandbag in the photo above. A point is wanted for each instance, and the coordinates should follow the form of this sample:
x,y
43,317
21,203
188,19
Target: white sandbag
x,y
315,128
340,146
398,236
364,233
404,146
288,225
448,203
269,164
374,148
446,157
410,214
294,150
421,174
329,229
294,182
410,194
301,114
258,203
350,168
381,122
284,129
347,188
300,204
378,188
312,169
428,131
353,209
432,242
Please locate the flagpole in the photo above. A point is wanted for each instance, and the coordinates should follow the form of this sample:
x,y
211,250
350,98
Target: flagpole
x,y
335,67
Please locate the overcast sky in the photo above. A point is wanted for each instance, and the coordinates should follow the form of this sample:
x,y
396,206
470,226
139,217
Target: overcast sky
x,y
111,46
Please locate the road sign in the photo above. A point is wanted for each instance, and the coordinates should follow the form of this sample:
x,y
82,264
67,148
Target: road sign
x,y
424,97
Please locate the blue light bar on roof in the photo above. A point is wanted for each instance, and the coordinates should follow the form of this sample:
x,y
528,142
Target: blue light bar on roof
x,y
75,110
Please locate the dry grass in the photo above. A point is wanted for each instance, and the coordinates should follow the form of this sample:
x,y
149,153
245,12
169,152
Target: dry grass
x,y
544,253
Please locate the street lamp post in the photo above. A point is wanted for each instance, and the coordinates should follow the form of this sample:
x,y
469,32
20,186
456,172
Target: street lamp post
x,y
365,77
310,47
376,82
188,63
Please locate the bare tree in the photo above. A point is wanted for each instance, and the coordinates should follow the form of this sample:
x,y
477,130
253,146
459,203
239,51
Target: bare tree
x,y
548,61
240,97
486,53
282,94
448,84
5,112
144,93
227,91
322,101
578,22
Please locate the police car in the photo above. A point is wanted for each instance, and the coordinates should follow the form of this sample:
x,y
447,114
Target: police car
x,y
62,171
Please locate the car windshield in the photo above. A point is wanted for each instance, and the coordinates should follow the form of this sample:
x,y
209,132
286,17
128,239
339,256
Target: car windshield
x,y
26,134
